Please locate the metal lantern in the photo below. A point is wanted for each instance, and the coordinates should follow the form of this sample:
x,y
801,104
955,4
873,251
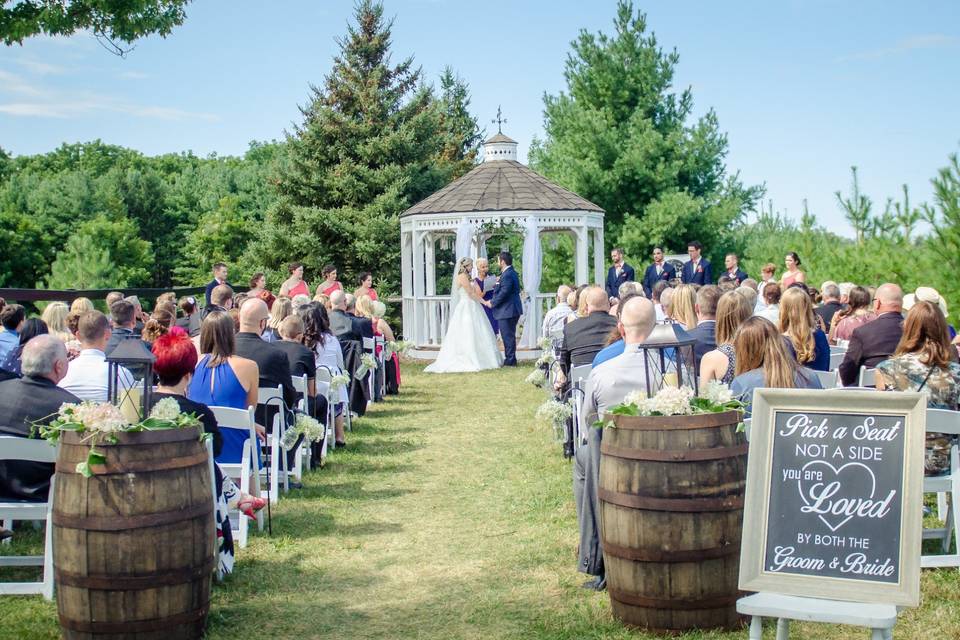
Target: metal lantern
x,y
131,354
669,359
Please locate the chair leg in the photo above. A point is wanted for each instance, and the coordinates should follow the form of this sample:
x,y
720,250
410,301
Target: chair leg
x,y
877,634
8,525
783,628
47,589
756,628
941,506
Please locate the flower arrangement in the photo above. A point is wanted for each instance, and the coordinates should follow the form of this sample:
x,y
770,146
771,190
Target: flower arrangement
x,y
339,380
715,397
311,430
100,422
556,414
367,363
399,347
545,344
537,377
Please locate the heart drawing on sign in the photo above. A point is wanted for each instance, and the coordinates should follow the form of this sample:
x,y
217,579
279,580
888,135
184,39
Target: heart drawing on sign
x,y
835,494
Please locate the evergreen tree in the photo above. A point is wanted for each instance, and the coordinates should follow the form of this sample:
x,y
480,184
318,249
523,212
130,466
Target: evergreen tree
x,y
369,147
856,207
461,131
620,137
132,256
220,235
83,264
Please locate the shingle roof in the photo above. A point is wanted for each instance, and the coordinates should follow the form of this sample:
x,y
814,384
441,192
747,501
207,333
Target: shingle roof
x,y
501,185
499,137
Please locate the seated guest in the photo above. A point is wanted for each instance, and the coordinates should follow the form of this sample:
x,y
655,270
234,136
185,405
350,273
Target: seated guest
x,y
258,284
239,299
749,294
12,318
726,283
857,313
88,375
224,379
663,304
295,285
344,325
704,333
393,372
299,358
771,303
32,327
282,308
302,299
626,289
327,353
158,325
767,277
655,296
578,304
750,283
607,386
733,309
124,320
831,303
762,361
798,325
113,296
554,319
877,340
615,343
925,361
366,286
268,299
322,299
23,401
330,282
190,321
584,337
845,289
55,317
271,362
138,313
683,306
82,305
221,299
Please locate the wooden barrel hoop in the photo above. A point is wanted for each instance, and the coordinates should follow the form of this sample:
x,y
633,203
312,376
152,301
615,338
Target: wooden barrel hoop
x,y
673,603
674,455
112,582
686,505
125,523
134,466
669,555
136,626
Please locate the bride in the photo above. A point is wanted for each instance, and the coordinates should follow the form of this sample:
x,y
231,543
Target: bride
x,y
469,344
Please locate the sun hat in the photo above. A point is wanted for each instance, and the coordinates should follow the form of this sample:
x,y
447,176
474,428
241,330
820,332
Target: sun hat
x,y
925,294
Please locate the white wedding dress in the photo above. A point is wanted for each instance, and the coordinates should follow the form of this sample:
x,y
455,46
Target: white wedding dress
x,y
469,344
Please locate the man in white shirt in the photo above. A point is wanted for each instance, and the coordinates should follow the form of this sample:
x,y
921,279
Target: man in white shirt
x,y
554,320
607,386
88,377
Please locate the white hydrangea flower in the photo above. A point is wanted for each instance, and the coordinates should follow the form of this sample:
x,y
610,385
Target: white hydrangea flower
x,y
166,409
716,392
670,401
100,416
637,398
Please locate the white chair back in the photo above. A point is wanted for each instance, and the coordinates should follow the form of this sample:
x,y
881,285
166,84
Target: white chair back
x,y
828,379
946,422
868,377
836,357
300,386
580,372
247,470
28,449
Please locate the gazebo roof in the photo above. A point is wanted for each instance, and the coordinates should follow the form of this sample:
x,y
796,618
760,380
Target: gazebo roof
x,y
501,185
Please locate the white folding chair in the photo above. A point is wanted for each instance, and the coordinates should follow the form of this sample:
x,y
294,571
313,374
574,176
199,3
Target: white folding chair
x,y
746,427
380,345
213,490
944,421
30,450
836,357
578,382
273,397
369,346
843,343
325,388
247,471
837,349
303,451
828,379
868,377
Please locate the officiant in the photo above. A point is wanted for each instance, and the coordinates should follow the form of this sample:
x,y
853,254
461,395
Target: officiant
x,y
486,283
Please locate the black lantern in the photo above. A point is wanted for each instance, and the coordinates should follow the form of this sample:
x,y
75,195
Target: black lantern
x,y
668,359
131,354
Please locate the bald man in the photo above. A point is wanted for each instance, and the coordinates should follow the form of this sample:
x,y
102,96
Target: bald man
x,y
272,361
607,386
585,337
877,340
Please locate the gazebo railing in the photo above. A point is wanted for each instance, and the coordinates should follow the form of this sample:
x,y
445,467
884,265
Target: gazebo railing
x,y
433,316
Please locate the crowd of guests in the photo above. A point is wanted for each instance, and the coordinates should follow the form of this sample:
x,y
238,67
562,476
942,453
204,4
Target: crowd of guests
x,y
748,334
219,354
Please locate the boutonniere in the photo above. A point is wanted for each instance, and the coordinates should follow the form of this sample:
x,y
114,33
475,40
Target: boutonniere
x,y
699,269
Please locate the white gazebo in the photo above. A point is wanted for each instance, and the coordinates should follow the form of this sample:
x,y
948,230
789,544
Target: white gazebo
x,y
498,191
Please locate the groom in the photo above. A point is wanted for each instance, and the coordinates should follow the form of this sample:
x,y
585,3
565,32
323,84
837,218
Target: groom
x,y
507,307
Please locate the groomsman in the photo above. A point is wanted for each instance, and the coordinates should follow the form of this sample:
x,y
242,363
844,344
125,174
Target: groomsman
x,y
697,269
734,272
619,273
659,270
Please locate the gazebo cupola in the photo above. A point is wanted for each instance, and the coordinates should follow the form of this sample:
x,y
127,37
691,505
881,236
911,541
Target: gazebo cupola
x,y
499,190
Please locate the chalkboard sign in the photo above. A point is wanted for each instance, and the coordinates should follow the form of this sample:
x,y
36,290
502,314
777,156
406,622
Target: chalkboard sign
x,y
834,494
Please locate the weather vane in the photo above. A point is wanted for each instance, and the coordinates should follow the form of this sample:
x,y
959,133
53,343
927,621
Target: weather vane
x,y
499,121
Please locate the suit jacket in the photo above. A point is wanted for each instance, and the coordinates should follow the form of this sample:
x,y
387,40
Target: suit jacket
x,y
584,337
706,340
702,276
627,274
739,275
22,402
347,327
211,286
870,344
506,296
826,311
650,277
272,362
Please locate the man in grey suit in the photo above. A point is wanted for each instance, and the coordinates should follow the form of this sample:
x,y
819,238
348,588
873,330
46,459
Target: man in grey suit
x,y
705,332
608,384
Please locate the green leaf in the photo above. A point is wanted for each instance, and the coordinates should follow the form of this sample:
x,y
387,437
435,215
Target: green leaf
x,y
96,457
83,468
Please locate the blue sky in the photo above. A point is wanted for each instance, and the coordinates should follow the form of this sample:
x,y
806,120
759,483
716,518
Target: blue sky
x,y
805,89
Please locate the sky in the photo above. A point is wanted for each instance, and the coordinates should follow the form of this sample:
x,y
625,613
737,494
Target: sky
x,y
804,89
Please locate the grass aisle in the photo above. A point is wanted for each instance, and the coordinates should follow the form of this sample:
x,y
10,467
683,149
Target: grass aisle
x,y
449,516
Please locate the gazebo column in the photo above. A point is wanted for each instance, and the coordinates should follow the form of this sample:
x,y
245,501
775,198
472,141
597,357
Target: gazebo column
x,y
598,255
420,315
431,265
406,285
580,256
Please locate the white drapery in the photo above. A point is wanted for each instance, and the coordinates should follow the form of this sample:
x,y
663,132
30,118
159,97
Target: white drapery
x,y
465,231
532,259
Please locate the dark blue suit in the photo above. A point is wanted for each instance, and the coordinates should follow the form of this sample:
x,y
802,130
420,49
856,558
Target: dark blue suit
x,y
613,282
507,309
701,276
650,277
213,284
740,275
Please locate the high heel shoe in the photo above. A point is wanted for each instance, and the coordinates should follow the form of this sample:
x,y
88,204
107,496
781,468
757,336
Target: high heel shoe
x,y
250,505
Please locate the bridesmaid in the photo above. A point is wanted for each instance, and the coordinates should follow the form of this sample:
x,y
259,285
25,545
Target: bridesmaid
x,y
793,272
295,285
483,269
330,283
366,287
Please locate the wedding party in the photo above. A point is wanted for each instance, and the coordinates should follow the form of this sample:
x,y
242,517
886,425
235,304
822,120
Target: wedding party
x,y
316,321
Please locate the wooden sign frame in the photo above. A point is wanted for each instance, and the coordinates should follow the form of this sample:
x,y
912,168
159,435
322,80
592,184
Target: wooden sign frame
x,y
753,574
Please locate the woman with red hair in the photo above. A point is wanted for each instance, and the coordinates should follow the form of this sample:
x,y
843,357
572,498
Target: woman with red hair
x,y
176,359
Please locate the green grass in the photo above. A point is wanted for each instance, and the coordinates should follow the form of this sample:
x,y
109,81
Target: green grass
x,y
449,516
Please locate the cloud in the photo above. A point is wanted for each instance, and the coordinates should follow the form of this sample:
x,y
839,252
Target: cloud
x,y
926,41
12,83
80,106
40,68
133,75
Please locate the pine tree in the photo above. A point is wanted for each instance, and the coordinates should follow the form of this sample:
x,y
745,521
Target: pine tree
x,y
460,128
856,207
83,264
369,147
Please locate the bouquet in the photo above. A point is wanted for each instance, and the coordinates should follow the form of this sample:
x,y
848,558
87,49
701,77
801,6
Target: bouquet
x,y
537,377
101,422
399,347
339,380
556,414
367,363
545,344
309,428
715,397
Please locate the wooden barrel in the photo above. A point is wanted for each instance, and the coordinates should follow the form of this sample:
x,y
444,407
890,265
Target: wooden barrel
x,y
671,509
133,546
